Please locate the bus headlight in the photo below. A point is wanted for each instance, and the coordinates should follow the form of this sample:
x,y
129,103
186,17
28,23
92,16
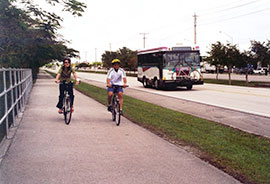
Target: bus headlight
x,y
195,75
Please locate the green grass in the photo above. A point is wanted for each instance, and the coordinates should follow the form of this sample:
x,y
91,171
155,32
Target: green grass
x,y
51,73
243,155
236,82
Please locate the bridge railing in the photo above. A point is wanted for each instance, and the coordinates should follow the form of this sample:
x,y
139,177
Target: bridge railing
x,y
15,88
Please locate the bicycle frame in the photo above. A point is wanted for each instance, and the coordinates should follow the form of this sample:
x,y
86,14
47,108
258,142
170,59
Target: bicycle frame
x,y
67,111
116,116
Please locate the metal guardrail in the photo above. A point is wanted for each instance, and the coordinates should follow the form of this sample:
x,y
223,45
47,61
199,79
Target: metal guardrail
x,y
15,88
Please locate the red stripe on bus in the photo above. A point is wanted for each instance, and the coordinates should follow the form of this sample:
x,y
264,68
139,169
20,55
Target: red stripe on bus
x,y
145,68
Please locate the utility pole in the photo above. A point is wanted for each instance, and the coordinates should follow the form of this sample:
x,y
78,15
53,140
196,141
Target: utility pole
x,y
143,38
110,44
195,27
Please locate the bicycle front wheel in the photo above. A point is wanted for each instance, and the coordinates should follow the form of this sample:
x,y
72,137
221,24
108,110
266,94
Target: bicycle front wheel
x,y
117,114
113,109
67,110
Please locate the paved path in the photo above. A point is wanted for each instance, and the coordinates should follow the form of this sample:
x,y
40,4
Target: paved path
x,y
92,149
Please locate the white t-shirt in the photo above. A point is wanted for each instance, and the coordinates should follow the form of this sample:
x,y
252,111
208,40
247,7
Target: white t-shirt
x,y
116,78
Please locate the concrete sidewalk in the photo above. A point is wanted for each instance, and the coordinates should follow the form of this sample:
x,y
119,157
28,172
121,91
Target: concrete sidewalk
x,y
92,149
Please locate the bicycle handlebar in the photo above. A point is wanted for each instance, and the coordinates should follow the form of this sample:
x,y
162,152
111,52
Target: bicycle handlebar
x,y
117,86
65,82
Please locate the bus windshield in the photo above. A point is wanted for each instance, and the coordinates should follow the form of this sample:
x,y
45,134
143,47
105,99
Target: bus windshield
x,y
183,59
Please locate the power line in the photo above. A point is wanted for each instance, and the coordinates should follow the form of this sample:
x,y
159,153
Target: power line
x,y
220,6
234,7
222,20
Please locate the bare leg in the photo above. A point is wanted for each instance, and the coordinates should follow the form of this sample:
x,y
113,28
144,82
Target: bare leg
x,y
110,97
120,96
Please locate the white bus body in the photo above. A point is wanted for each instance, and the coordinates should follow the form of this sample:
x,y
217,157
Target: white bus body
x,y
161,67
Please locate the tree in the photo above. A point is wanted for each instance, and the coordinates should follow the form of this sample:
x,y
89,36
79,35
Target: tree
x,y
107,58
261,52
28,36
97,63
127,57
224,55
246,62
216,54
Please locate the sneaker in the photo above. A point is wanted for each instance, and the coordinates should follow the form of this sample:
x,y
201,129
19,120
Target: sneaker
x,y
121,112
110,108
60,111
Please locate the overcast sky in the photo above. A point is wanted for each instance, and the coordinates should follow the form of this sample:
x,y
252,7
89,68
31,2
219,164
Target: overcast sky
x,y
113,24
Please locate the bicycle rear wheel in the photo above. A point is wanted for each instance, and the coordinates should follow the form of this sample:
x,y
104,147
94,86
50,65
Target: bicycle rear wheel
x,y
67,110
117,114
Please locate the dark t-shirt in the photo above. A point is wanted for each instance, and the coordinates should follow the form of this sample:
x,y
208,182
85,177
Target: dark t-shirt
x,y
65,73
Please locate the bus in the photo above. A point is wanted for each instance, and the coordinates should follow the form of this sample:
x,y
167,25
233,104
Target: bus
x,y
168,68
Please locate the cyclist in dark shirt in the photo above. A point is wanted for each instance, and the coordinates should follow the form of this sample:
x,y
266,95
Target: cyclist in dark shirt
x,y
64,74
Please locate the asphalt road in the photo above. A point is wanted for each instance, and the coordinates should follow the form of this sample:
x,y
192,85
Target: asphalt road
x,y
92,149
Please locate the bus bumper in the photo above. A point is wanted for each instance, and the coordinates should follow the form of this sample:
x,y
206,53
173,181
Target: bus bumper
x,y
183,82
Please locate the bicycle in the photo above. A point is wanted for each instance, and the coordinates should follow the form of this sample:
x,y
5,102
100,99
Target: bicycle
x,y
67,108
116,115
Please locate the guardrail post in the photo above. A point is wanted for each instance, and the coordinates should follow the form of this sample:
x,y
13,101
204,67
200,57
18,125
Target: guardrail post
x,y
5,96
16,91
20,90
12,94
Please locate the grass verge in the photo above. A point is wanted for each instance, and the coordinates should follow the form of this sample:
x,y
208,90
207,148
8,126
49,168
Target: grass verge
x,y
51,73
242,155
237,83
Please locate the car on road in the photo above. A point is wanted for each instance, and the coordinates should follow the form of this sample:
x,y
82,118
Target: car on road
x,y
260,71
243,70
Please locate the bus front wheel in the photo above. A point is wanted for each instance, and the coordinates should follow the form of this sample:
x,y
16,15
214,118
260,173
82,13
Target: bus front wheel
x,y
189,86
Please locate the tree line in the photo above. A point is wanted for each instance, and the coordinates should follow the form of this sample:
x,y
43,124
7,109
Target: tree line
x,y
229,55
28,34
